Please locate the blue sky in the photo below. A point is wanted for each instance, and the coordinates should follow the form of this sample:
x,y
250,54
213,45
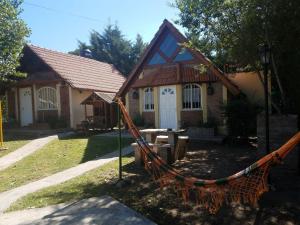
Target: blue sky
x,y
58,24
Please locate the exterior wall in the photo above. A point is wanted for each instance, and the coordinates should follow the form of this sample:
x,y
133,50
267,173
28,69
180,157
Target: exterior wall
x,y
11,103
214,103
251,85
133,104
149,118
65,103
191,118
210,106
78,110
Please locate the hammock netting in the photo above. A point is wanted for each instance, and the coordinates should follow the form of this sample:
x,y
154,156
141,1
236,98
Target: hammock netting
x,y
245,186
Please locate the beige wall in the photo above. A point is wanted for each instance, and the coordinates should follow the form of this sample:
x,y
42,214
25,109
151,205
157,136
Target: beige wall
x,y
250,84
78,113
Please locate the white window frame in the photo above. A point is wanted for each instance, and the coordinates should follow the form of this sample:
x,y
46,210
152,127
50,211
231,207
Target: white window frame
x,y
148,99
50,98
188,92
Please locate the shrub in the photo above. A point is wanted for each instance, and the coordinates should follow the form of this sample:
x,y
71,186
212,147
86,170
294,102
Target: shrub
x,y
138,120
241,116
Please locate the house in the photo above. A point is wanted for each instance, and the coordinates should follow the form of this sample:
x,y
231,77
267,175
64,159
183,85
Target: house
x,y
56,85
168,88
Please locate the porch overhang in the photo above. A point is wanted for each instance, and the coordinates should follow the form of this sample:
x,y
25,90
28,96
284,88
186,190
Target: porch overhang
x,y
99,97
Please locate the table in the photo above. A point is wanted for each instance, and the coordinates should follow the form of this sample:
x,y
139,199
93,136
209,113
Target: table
x,y
150,134
166,151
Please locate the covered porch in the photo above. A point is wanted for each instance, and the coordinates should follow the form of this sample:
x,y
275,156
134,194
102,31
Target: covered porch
x,y
104,115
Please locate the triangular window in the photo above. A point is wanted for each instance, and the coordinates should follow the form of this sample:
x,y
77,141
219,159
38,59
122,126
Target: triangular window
x,y
169,45
183,55
157,59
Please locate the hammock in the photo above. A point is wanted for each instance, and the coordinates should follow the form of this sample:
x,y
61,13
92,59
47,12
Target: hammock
x,y
245,186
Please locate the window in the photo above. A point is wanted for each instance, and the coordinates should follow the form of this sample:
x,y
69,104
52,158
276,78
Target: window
x,y
191,96
47,98
148,99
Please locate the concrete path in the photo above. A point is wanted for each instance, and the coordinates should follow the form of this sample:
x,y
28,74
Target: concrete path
x,y
101,211
8,197
28,149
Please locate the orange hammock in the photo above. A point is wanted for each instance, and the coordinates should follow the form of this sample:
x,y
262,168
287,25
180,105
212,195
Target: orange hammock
x,y
245,186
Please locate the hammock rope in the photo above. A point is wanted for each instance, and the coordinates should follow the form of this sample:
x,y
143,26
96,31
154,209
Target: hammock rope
x,y
245,186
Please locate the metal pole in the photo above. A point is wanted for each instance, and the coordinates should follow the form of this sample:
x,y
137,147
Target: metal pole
x,y
1,132
267,109
120,144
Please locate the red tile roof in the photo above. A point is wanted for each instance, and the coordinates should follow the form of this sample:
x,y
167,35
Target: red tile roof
x,y
80,72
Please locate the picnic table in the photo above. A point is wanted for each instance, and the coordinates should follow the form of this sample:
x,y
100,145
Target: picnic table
x,y
165,145
151,134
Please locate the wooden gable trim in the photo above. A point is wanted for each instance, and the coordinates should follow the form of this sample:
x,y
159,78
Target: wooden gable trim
x,y
181,39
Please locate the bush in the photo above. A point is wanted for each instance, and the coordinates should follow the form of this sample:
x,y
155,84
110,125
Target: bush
x,y
56,123
138,120
241,116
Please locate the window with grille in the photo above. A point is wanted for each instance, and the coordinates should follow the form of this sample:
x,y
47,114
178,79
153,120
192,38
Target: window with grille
x,y
148,99
191,96
47,99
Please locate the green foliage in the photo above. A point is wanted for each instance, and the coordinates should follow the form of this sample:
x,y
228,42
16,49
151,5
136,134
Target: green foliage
x,y
138,120
230,31
57,123
13,32
241,114
112,47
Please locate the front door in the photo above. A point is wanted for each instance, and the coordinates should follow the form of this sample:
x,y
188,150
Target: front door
x,y
26,106
167,103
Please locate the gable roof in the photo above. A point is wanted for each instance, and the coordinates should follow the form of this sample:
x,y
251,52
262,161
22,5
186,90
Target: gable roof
x,y
181,39
81,72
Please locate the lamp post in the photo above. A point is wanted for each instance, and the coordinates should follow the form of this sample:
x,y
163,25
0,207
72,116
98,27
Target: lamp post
x,y
265,53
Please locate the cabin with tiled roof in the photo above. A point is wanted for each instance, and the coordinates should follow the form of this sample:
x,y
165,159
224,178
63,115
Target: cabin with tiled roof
x,y
63,88
168,88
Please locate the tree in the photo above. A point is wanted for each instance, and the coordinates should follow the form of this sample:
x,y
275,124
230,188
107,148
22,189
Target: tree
x,y
231,31
13,33
112,47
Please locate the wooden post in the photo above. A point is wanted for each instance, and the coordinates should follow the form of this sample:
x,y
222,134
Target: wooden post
x,y
1,130
85,113
120,144
105,114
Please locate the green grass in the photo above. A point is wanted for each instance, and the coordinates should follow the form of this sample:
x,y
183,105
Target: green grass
x,y
13,142
93,183
56,156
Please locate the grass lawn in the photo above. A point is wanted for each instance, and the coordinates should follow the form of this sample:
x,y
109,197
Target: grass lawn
x,y
13,142
56,156
164,206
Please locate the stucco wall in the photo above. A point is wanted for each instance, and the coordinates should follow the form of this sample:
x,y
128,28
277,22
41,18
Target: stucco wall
x,y
78,113
250,84
214,102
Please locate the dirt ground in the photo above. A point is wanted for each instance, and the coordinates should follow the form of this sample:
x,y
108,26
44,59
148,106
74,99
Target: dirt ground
x,y
210,161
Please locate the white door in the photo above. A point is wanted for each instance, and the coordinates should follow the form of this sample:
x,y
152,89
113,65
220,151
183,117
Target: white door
x,y
167,107
26,106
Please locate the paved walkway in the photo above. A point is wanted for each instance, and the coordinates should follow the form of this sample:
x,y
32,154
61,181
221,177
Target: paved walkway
x,y
8,197
27,149
101,211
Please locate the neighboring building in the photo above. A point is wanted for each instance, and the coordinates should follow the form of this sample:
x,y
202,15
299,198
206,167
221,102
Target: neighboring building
x,y
251,84
56,85
168,89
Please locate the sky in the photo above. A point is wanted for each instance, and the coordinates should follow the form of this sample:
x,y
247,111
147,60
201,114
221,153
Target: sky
x,y
59,24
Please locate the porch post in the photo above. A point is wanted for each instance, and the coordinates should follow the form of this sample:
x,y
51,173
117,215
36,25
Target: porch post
x,y
85,113
105,114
